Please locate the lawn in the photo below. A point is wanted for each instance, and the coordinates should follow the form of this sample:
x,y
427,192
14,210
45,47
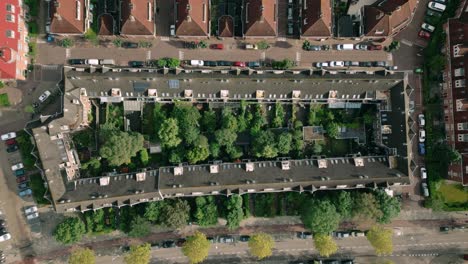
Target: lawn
x,y
4,100
453,193
37,186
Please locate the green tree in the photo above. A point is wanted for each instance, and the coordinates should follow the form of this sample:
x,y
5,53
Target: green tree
x,y
169,133
325,245
139,227
196,247
389,206
258,119
209,121
284,143
234,152
366,207
144,158
261,245
172,62
188,118
320,216
235,214
161,63
70,230
159,116
264,145
200,151
317,148
153,211
206,213
228,120
312,119
215,150
225,137
381,239
119,147
177,155
176,213
95,221
278,119
139,254
91,36
82,256
332,129
94,163
343,203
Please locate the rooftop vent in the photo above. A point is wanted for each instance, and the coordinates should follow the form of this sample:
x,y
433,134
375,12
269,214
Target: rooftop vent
x,y
178,171
322,163
285,165
249,166
214,168
141,176
359,162
103,181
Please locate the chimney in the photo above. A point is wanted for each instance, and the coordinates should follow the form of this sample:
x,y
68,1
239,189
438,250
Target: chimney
x,y
262,18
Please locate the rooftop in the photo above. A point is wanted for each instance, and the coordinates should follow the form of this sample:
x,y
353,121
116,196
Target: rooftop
x,y
260,18
192,18
138,18
68,16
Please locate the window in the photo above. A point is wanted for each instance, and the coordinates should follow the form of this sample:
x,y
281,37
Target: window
x,y
305,21
10,18
462,126
149,12
459,83
204,12
78,10
10,8
10,33
463,137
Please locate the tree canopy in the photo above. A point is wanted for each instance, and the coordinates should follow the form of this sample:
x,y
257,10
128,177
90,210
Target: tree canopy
x,y
389,206
200,151
261,245
264,145
119,147
381,239
325,245
196,247
343,203
235,212
206,213
82,256
366,207
320,216
176,213
188,118
71,230
284,143
169,133
139,254
139,227
153,211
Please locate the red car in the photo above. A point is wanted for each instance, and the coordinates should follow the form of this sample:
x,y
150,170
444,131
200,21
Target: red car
x,y
217,46
375,47
424,34
10,142
239,64
21,179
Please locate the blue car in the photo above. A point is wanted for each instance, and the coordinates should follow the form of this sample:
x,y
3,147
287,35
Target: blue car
x,y
422,149
24,193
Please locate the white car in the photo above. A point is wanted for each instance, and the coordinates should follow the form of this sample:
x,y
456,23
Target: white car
x,y
422,135
321,64
8,136
44,96
17,166
196,63
427,27
421,120
336,63
423,173
436,6
5,237
32,216
30,210
361,47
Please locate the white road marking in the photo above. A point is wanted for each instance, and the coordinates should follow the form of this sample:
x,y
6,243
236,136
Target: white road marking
x,y
390,57
298,56
407,42
262,55
148,55
181,55
164,38
281,39
67,53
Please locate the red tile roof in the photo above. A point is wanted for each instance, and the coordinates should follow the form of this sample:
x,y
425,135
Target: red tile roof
x,y
226,27
387,17
8,46
64,16
316,18
260,18
193,18
106,24
138,17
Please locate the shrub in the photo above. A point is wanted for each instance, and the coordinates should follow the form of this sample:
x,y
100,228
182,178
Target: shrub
x,y
117,42
263,45
66,43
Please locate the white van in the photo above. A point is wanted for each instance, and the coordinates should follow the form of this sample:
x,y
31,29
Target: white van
x,y
345,47
436,6
107,62
92,61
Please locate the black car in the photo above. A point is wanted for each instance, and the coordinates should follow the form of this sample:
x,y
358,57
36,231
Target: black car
x,y
379,63
244,238
211,239
210,63
2,223
304,235
224,63
190,45
136,64
155,245
444,229
76,61
365,64
12,148
130,45
168,244
253,64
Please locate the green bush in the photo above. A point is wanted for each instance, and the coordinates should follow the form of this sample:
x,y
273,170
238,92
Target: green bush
x,y
91,36
4,101
145,44
32,49
71,230
117,42
66,43
32,28
36,183
26,147
2,84
33,7
263,45
282,65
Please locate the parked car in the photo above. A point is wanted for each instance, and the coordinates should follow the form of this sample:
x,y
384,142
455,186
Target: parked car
x,y
423,173
422,135
92,62
238,64
379,63
314,47
30,210
224,63
136,64
358,233
436,6
361,47
2,223
392,68
44,96
244,238
217,46
32,216
444,229
11,142
19,172
168,244
21,179
23,186
424,34
25,192
250,47
211,239
321,64
365,64
428,27
375,47
190,45
5,237
17,166
432,13
107,62
337,64
421,120
424,189
304,235
196,63
210,63
180,242
421,149
226,239
76,61
351,63
8,136
130,45
253,64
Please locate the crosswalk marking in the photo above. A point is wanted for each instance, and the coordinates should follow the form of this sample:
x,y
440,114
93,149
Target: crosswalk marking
x,y
298,56
181,55
164,38
49,67
67,53
407,42
281,39
148,55
390,57
262,56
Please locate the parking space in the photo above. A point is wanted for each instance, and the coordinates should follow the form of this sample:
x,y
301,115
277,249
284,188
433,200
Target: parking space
x,y
409,36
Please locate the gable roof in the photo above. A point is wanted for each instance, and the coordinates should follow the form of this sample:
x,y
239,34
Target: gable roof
x,y
226,27
137,17
319,18
106,24
64,16
193,18
260,18
386,16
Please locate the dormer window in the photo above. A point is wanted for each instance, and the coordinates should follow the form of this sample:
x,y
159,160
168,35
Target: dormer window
x,y
78,10
459,72
305,21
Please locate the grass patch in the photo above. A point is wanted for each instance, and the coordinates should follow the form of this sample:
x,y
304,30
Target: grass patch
x,y
37,186
453,193
33,29
338,147
4,101
26,147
